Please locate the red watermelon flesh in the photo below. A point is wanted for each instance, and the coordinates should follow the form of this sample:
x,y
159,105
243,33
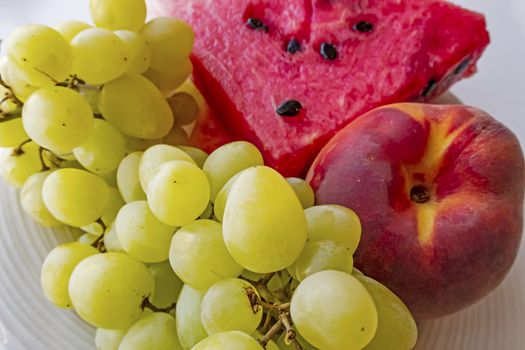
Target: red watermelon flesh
x,y
414,50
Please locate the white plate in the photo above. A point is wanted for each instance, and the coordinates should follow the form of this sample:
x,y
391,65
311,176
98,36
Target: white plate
x,y
28,321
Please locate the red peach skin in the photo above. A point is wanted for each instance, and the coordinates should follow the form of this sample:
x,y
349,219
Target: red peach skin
x,y
439,190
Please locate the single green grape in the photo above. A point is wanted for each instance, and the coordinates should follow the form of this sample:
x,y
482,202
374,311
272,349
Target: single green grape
x,y
178,193
184,107
198,155
167,285
138,52
14,76
118,14
57,269
18,164
109,339
232,340
168,81
154,157
264,225
335,223
396,329
227,306
75,197
103,150
70,28
136,107
177,136
141,234
222,197
57,118
115,202
140,145
303,190
107,290
87,238
188,317
156,331
199,257
100,56
128,178
170,40
12,132
332,310
228,160
111,241
42,53
323,255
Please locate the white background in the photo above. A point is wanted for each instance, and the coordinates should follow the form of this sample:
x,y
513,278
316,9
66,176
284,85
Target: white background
x,y
499,87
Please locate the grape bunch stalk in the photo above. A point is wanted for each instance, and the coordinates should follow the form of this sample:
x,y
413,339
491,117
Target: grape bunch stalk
x,y
179,249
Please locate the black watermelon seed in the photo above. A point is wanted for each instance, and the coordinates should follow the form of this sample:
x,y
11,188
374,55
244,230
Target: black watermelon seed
x,y
256,24
364,27
289,108
462,66
293,46
328,51
429,89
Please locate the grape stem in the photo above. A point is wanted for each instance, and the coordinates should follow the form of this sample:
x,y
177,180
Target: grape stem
x,y
12,95
273,331
42,161
147,304
19,150
99,242
290,332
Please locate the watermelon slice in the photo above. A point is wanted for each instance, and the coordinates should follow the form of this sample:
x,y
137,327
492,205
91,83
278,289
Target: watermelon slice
x,y
288,74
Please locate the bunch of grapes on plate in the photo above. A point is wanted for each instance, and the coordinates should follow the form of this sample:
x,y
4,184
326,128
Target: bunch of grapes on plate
x,y
181,250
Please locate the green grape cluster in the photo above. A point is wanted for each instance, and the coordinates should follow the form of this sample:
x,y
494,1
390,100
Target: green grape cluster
x,y
181,249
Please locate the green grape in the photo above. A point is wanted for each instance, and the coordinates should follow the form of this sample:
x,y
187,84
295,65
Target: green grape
x,y
188,317
107,290
13,75
138,52
184,107
281,343
189,87
208,212
100,56
271,345
232,340
154,157
90,93
136,144
128,178
57,269
136,107
103,150
109,339
323,255
178,193
356,272
111,241
75,197
141,234
118,14
87,238
70,28
198,155
12,132
156,331
228,160
303,190
396,329
167,285
264,225
115,202
332,310
57,118
168,81
41,52
17,164
222,197
334,223
177,136
170,40
199,257
227,306
110,178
